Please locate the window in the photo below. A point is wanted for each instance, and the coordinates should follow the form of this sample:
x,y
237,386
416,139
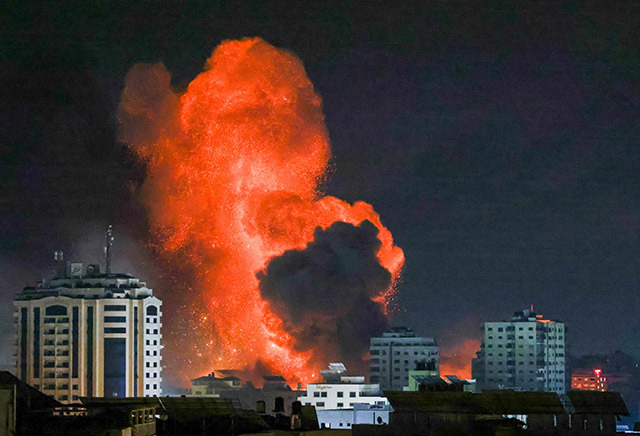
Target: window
x,y
115,307
316,394
340,394
115,319
152,310
115,330
323,394
320,404
340,404
352,394
56,310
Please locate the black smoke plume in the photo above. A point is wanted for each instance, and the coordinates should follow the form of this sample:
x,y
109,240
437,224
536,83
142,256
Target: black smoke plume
x,y
324,293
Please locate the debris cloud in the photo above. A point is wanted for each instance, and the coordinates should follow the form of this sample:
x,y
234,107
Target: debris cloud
x,y
235,166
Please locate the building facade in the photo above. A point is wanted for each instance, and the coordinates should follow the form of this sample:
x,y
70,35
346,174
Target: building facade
x,y
526,353
343,398
397,353
92,334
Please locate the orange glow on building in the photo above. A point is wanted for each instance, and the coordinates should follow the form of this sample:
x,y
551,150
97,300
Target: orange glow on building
x,y
588,380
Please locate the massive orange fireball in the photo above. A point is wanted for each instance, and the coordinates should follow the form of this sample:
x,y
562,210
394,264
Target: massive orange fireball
x,y
234,166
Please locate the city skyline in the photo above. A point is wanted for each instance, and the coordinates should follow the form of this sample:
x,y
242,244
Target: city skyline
x,y
499,149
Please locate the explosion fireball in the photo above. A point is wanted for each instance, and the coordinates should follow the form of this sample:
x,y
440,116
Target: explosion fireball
x,y
235,166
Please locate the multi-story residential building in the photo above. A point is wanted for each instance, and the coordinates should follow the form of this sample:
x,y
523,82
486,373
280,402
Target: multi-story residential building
x,y
525,353
597,379
337,399
397,353
87,333
588,380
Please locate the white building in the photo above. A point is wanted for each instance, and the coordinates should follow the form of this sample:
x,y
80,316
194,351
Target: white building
x,y
343,398
396,353
87,333
360,414
525,353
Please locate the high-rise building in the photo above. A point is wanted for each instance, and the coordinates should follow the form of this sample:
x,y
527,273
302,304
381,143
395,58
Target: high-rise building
x,y
526,353
87,333
396,353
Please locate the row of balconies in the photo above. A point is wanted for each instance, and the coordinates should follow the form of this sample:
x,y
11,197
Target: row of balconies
x,y
61,331
59,353
50,320
48,375
51,364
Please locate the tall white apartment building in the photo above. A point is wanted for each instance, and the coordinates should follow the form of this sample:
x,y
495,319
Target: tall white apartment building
x,y
396,353
526,353
87,333
344,400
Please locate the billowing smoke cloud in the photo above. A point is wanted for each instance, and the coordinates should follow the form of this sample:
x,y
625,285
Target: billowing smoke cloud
x,y
234,166
326,293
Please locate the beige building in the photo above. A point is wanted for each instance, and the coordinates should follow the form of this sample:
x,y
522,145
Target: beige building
x,y
87,333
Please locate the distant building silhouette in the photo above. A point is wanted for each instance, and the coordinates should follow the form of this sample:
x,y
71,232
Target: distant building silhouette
x,y
397,353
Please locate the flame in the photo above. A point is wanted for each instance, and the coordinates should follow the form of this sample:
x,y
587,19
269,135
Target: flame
x,y
456,359
235,166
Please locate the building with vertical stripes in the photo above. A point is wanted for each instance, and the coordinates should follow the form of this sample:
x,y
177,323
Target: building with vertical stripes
x,y
525,353
87,333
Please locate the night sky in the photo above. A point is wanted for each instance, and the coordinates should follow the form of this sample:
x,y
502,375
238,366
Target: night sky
x,y
498,141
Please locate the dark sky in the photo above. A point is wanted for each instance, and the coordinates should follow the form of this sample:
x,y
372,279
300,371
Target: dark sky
x,y
497,140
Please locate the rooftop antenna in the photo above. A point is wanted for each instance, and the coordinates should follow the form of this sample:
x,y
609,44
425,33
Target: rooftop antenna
x,y
107,248
58,256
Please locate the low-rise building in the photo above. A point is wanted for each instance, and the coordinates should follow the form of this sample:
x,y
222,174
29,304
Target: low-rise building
x,y
343,398
231,386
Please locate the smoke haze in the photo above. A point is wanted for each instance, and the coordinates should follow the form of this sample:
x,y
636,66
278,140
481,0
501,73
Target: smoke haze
x,y
326,293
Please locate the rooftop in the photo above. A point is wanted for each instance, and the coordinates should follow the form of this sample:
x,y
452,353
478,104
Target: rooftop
x,y
74,282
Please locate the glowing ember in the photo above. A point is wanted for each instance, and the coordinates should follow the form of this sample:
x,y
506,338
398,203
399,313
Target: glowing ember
x,y
234,169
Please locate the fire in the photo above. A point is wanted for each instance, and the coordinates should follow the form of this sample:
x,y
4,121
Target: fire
x,y
456,359
235,166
